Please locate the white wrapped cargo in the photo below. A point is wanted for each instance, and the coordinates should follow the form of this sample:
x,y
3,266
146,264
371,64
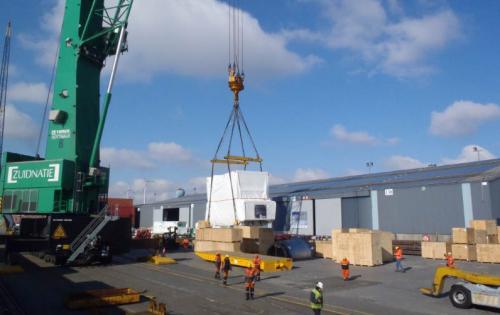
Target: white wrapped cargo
x,y
250,191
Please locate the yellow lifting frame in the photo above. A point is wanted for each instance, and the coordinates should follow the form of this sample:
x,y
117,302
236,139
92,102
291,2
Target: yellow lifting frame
x,y
102,297
444,272
268,263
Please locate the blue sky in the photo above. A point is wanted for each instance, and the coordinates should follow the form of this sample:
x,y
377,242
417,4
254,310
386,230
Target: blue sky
x,y
330,85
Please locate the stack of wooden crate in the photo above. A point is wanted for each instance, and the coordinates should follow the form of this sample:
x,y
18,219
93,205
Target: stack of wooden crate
x,y
479,242
362,247
488,251
323,248
256,240
246,239
217,239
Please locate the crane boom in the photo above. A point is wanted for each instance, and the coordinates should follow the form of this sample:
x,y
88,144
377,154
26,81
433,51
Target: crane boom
x,y
4,78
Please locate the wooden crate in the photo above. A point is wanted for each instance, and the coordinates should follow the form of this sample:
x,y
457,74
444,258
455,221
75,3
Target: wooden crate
x,y
463,235
220,235
340,245
207,246
490,226
204,246
386,239
365,249
324,249
498,234
464,252
202,224
492,239
435,250
488,253
480,237
359,230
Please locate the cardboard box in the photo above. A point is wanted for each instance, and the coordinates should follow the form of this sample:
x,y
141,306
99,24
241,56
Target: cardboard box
x,y
323,248
490,226
435,250
464,252
488,253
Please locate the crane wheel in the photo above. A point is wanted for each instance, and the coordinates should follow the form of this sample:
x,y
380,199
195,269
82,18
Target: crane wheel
x,y
460,297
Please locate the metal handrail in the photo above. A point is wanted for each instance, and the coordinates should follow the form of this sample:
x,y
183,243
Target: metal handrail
x,y
91,226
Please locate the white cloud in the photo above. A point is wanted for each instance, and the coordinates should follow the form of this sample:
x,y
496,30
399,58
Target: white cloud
x,y
46,46
340,133
469,154
462,117
169,151
28,92
156,154
187,37
399,162
125,158
306,174
398,47
357,137
276,180
156,189
19,125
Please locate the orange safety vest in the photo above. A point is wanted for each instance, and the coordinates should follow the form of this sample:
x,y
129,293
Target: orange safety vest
x,y
399,254
249,278
450,262
345,264
256,263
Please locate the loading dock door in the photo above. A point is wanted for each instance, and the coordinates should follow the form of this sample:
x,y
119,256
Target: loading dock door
x,y
328,215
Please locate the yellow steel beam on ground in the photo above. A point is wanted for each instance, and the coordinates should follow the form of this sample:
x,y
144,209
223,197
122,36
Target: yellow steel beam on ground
x,y
243,158
102,297
268,263
161,260
7,269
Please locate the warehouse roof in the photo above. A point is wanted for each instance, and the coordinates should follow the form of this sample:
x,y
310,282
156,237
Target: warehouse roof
x,y
361,184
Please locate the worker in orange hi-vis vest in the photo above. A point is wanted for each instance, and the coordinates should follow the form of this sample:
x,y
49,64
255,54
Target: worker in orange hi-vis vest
x,y
450,262
344,264
256,263
398,254
249,282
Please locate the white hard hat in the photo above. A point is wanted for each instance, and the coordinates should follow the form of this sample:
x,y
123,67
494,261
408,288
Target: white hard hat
x,y
319,285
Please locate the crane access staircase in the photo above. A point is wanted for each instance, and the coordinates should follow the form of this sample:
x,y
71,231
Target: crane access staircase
x,y
89,233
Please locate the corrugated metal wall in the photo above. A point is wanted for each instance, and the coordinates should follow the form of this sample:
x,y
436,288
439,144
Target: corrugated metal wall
x,y
357,212
146,214
481,202
495,199
328,215
431,209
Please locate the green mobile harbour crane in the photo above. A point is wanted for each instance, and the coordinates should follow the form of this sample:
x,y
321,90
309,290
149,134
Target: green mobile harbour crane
x,y
62,198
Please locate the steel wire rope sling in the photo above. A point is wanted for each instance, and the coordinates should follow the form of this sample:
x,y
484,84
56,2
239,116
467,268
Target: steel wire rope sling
x,y
236,121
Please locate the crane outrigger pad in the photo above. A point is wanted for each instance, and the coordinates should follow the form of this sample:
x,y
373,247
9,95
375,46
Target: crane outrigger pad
x,y
268,263
102,297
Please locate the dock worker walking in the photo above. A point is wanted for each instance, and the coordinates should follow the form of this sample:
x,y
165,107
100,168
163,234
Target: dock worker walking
x,y
344,264
398,254
317,298
218,265
450,262
256,264
250,282
226,267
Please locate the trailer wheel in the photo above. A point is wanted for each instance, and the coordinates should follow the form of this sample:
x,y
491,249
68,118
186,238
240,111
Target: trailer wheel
x,y
460,297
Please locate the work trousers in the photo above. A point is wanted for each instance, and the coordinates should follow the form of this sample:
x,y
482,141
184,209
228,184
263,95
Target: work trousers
x,y
399,265
316,311
345,274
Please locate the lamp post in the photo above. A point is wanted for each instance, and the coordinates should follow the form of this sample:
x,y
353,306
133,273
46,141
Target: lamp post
x,y
477,150
146,181
369,165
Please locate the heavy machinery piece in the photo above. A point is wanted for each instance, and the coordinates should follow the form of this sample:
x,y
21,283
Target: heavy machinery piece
x,y
473,289
102,297
62,191
268,263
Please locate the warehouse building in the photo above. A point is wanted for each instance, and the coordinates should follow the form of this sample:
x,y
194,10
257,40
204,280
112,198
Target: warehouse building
x,y
428,200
